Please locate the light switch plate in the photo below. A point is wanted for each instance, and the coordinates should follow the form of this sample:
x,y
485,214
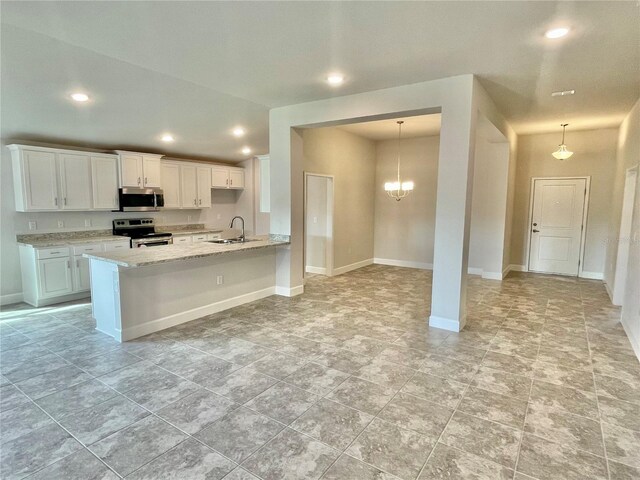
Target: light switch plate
x,y
219,280
33,225
60,224
87,222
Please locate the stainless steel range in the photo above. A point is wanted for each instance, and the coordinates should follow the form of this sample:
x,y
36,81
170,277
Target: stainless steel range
x,y
141,231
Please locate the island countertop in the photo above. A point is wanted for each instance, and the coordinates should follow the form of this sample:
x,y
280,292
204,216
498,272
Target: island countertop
x,y
140,257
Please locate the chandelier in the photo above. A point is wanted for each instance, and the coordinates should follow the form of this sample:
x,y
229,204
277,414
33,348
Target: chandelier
x,y
562,153
398,189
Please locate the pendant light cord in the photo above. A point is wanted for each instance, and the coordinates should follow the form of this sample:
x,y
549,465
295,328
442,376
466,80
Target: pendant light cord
x,y
400,122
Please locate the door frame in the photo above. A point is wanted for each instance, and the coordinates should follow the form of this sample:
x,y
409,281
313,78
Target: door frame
x,y
620,277
330,223
583,233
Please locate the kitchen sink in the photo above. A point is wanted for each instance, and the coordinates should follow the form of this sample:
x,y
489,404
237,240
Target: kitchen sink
x,y
227,241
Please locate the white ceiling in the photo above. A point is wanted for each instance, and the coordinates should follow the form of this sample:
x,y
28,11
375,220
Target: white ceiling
x,y
418,126
197,69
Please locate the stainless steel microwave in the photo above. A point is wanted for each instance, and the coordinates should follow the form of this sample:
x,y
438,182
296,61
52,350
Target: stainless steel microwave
x,y
133,199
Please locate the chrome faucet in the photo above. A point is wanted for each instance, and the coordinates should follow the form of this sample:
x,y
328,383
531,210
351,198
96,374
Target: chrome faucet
x,y
231,225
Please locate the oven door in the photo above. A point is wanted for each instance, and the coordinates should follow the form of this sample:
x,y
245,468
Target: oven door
x,y
140,199
151,242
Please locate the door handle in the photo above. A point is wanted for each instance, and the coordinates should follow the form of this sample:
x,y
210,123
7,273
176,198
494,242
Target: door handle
x,y
535,231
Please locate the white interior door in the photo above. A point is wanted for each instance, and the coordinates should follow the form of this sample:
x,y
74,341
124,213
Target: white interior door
x,y
557,225
319,224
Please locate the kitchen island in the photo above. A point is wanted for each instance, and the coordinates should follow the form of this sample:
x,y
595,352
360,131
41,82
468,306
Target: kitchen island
x,y
141,291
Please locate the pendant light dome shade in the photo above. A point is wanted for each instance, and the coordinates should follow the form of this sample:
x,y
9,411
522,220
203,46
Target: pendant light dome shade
x,y
562,153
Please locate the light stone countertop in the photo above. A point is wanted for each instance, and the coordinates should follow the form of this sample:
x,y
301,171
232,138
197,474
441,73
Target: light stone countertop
x,y
140,257
64,242
180,233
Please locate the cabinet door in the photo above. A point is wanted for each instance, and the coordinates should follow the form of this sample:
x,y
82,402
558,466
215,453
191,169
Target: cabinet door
x,y
104,179
204,187
170,181
236,178
55,277
198,238
185,239
220,177
131,170
188,186
40,180
151,170
75,181
81,277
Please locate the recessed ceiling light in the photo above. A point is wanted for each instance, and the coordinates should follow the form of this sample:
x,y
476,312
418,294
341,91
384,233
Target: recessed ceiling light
x,y
79,97
335,79
556,32
563,93
246,150
238,132
167,137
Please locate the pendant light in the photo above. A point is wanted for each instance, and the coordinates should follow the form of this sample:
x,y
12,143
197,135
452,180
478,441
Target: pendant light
x,y
562,153
398,189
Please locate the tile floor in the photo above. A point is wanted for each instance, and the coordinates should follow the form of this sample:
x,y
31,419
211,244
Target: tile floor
x,y
344,382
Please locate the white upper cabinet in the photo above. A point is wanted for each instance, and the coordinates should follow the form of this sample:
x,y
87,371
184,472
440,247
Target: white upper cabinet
x,y
151,171
204,187
104,180
220,177
227,177
75,181
170,181
51,179
139,169
189,186
236,178
131,170
35,179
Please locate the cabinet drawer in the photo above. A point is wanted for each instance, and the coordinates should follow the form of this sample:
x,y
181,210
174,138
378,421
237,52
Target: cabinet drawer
x,y
181,239
110,247
42,253
89,248
213,236
198,238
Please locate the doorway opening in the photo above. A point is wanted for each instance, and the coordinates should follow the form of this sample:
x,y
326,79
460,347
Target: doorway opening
x,y
318,224
557,224
624,238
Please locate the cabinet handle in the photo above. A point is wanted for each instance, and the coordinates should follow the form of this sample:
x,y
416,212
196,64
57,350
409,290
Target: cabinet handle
x,y
200,201
231,181
55,201
77,263
226,182
138,180
145,180
195,201
65,200
54,253
68,264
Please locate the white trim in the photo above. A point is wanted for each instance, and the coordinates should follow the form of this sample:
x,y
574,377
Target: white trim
x,y
591,275
492,275
517,268
353,266
445,323
189,315
474,271
585,211
506,271
11,298
319,270
289,292
635,342
329,253
609,292
403,263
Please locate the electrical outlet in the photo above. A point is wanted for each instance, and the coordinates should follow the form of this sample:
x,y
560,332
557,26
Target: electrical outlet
x,y
188,218
218,216
219,280
60,224
315,219
87,222
33,225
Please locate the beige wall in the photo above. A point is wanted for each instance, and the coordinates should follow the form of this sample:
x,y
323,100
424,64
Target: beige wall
x,y
405,230
351,160
594,155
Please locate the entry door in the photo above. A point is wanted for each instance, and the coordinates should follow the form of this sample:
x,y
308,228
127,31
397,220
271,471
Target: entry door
x,y
556,225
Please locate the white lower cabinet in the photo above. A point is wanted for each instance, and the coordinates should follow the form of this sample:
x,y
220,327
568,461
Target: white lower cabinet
x,y
183,239
55,277
58,274
199,238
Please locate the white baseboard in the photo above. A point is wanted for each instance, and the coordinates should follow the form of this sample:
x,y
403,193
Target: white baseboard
x,y
319,270
289,292
403,263
492,275
474,271
10,298
591,275
506,271
183,317
445,323
517,268
353,266
635,342
609,292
